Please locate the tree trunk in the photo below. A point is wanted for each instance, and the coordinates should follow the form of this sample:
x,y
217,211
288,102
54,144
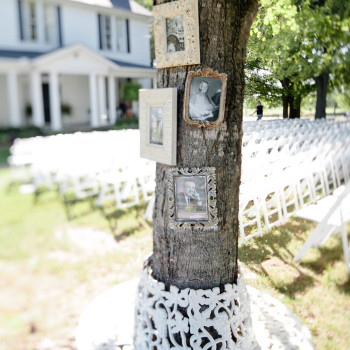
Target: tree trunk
x,y
294,107
206,259
321,100
285,106
285,96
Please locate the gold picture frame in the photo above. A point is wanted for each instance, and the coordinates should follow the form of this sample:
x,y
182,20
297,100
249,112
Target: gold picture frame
x,y
176,33
205,98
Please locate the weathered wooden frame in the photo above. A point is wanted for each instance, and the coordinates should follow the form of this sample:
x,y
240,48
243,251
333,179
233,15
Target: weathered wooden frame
x,y
166,98
205,73
209,173
188,9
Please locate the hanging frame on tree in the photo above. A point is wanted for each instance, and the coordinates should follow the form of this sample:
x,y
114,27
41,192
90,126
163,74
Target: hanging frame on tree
x,y
205,96
157,120
176,33
191,198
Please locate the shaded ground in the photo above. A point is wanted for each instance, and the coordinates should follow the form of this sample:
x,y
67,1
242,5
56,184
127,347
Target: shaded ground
x,y
52,267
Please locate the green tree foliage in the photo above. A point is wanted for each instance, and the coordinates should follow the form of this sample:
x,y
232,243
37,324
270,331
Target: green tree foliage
x,y
146,3
296,46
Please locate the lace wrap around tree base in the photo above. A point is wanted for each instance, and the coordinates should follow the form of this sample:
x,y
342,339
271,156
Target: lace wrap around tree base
x,y
171,318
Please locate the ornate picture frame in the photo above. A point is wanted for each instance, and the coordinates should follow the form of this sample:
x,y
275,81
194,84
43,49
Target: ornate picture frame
x,y
198,210
205,97
176,33
157,123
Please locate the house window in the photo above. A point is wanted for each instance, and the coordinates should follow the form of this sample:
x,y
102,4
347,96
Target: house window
x,y
30,19
106,32
122,35
50,24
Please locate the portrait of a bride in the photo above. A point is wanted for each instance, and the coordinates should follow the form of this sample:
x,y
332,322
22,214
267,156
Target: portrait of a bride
x,y
204,99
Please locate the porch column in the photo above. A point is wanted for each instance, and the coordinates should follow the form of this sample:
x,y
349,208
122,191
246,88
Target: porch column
x,y
102,99
154,83
112,100
13,99
37,99
55,103
94,117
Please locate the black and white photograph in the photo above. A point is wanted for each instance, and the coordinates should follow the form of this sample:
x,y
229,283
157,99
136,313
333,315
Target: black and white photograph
x,y
156,125
191,198
205,98
175,34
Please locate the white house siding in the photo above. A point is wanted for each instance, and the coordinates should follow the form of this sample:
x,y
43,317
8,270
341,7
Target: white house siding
x,y
139,39
140,42
79,26
9,29
4,113
146,83
75,92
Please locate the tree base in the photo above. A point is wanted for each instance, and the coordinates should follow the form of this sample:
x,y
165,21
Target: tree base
x,y
176,318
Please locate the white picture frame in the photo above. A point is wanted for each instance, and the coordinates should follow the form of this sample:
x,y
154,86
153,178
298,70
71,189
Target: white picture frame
x,y
158,124
176,33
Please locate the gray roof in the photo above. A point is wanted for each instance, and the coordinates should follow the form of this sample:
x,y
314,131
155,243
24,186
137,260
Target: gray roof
x,y
129,5
20,54
31,55
129,65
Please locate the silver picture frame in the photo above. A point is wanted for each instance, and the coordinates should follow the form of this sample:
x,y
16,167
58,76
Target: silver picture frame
x,y
191,198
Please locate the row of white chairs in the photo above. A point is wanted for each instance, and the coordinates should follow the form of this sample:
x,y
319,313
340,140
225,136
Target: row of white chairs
x,y
102,164
281,175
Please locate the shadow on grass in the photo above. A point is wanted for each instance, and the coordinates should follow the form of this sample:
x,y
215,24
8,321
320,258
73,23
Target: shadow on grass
x,y
275,245
345,287
76,208
114,216
328,256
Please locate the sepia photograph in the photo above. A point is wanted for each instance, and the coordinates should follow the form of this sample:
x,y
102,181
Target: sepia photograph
x,y
191,198
156,125
205,97
175,34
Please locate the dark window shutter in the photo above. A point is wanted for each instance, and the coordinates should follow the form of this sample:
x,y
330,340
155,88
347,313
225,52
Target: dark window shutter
x,y
59,25
127,36
20,19
99,31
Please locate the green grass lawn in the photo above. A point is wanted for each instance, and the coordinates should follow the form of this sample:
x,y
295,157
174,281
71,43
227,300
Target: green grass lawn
x,y
51,267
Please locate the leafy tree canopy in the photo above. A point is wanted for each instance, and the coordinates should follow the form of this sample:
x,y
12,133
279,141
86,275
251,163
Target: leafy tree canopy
x,y
297,40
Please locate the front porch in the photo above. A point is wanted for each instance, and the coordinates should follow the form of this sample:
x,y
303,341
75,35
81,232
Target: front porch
x,y
66,88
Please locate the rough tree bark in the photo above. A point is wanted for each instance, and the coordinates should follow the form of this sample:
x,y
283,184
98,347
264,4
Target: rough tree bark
x,y
294,107
291,101
207,259
321,100
285,96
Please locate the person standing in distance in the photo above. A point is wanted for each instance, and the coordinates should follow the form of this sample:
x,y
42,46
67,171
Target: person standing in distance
x,y
259,110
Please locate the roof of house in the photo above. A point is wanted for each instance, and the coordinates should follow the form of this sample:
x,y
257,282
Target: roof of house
x,y
129,5
32,55
19,54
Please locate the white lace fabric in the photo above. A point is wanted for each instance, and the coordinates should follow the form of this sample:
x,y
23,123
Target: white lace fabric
x,y
192,319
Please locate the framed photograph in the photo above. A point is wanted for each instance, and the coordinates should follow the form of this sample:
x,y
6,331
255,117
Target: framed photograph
x,y
205,96
176,33
157,121
192,198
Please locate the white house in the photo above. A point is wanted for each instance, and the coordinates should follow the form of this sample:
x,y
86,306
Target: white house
x,y
75,53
